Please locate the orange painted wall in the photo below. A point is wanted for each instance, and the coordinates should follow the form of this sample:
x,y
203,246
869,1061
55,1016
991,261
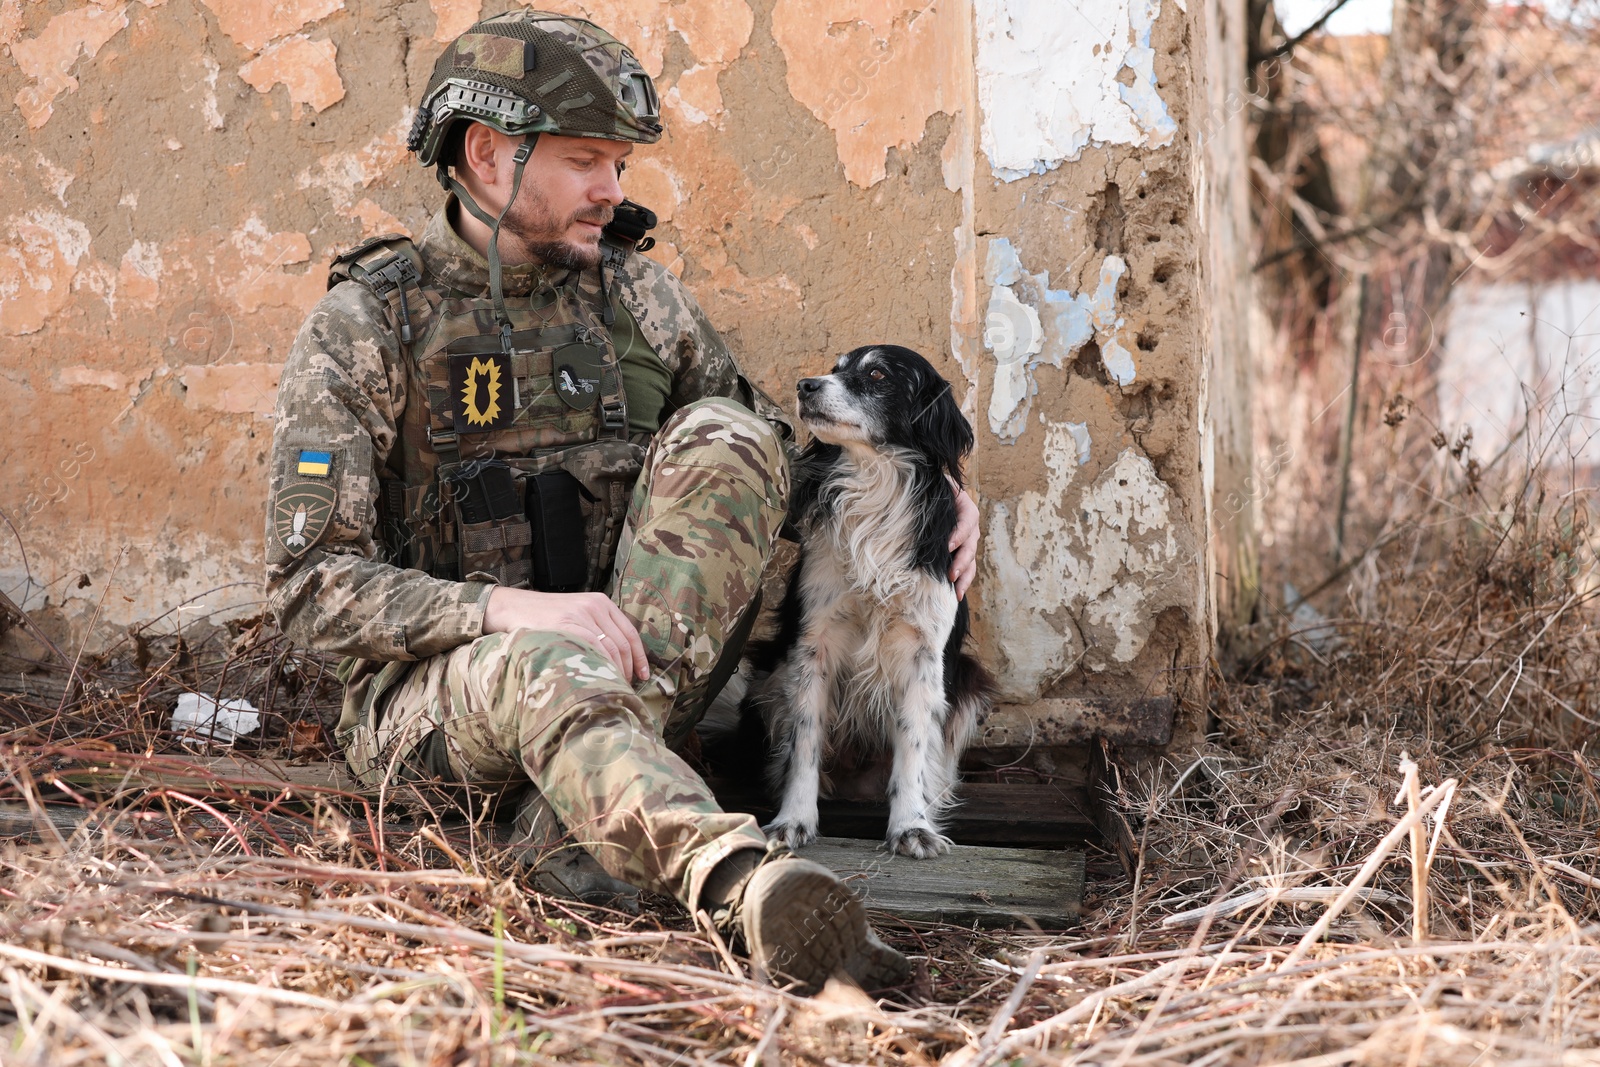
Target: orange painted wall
x,y
176,175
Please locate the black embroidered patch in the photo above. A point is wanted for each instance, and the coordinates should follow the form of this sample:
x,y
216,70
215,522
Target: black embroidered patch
x,y
577,369
481,392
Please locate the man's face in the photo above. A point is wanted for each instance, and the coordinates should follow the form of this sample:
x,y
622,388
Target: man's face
x,y
569,191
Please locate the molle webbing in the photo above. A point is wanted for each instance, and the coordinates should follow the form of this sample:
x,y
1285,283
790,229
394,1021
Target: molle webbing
x,y
524,372
391,268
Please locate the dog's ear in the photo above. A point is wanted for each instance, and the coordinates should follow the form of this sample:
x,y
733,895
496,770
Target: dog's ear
x,y
944,428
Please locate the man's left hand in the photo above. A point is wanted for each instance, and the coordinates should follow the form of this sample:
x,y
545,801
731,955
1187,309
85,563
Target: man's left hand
x,y
964,542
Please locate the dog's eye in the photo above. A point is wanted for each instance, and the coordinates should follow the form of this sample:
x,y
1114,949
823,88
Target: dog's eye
x,y
876,375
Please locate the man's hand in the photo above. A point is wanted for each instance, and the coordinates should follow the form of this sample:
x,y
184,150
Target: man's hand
x,y
591,616
964,542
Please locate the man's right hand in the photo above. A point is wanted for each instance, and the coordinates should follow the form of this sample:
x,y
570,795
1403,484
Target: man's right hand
x,y
590,616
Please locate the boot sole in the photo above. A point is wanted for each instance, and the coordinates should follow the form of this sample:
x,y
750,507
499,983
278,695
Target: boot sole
x,y
803,925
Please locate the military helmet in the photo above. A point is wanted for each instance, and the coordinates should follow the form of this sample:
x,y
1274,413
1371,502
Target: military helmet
x,y
530,72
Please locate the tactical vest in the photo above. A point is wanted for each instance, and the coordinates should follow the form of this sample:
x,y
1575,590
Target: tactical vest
x,y
513,463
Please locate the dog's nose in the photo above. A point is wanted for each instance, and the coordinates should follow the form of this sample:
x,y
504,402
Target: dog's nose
x,y
807,386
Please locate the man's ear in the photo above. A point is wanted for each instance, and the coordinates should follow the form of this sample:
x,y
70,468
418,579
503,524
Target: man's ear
x,y
479,156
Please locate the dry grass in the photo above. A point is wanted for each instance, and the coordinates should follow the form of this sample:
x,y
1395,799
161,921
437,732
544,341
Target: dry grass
x,y
1273,916
182,938
261,935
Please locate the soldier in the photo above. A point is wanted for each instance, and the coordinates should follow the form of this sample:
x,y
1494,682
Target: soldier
x,y
519,481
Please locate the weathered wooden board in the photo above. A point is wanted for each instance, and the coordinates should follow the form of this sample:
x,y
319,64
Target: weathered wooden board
x,y
970,884
977,882
987,813
989,886
208,775
1056,721
19,821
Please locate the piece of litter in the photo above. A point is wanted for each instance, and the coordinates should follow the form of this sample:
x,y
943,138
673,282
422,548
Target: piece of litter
x,y
211,719
1310,625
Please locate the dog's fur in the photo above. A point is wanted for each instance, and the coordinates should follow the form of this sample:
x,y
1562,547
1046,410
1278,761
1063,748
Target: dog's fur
x,y
869,653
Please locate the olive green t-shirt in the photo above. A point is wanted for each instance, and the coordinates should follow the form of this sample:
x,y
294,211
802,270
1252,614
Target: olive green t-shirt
x,y
645,379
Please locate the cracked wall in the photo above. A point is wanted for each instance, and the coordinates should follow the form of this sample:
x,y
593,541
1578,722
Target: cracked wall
x,y
1105,258
1010,186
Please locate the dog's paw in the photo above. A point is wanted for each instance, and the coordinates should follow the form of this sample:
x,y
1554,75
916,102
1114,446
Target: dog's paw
x,y
795,835
919,842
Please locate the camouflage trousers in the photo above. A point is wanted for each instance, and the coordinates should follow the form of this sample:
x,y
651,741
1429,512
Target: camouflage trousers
x,y
550,709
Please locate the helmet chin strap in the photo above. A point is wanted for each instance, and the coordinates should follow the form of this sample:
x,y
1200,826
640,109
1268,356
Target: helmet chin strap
x,y
496,286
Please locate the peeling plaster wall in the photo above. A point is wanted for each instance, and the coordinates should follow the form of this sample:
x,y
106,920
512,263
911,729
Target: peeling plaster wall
x,y
1010,186
1098,272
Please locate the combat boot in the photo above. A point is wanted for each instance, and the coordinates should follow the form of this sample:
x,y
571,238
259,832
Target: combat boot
x,y
561,868
799,923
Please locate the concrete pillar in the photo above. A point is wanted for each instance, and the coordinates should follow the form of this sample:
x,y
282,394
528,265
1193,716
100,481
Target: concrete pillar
x,y
1107,353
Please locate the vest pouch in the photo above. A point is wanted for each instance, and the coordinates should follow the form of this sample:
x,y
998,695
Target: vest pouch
x,y
555,512
609,471
493,536
606,471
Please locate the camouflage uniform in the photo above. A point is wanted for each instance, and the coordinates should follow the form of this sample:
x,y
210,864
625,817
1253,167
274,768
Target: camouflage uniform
x,y
425,687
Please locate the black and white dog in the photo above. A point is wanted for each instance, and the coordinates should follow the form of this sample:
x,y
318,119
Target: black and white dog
x,y
869,654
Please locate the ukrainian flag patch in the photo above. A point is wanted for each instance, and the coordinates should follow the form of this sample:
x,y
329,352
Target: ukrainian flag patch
x,y
316,464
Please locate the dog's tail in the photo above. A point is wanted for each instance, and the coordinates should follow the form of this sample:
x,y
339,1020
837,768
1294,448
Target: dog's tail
x,y
970,691
971,694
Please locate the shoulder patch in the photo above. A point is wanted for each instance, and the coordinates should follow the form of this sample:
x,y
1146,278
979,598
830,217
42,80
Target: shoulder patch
x,y
578,372
300,515
316,464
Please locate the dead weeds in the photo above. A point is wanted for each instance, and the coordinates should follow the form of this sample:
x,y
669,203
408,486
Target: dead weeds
x,y
1383,853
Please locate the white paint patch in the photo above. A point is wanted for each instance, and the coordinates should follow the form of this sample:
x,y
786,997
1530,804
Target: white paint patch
x,y
1080,582
1029,323
208,103
251,237
144,259
673,97
1047,81
100,280
99,377
1116,358
41,225
1080,437
56,179
341,174
1012,331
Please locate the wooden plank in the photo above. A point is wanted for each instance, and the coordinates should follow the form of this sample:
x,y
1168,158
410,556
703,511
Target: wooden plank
x,y
988,886
18,821
995,813
37,687
1037,815
209,775
988,813
1057,721
1104,778
970,884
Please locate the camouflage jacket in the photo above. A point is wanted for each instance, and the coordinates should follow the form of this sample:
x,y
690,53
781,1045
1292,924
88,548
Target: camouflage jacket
x,y
341,413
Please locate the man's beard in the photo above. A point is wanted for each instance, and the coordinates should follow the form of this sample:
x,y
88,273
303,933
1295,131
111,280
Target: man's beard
x,y
534,227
